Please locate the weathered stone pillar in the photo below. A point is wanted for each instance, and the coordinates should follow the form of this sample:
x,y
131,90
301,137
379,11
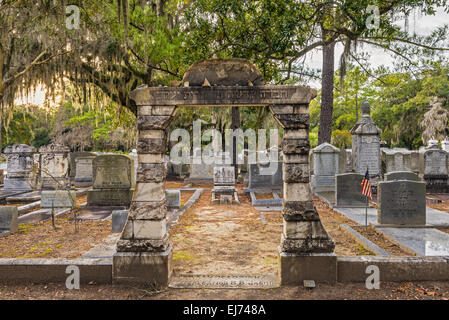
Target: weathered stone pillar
x,y
144,251
306,250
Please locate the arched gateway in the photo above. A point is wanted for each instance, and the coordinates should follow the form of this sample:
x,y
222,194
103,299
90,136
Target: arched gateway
x,y
144,251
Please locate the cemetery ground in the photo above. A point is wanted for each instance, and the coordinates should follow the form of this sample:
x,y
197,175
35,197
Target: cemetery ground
x,y
209,239
432,290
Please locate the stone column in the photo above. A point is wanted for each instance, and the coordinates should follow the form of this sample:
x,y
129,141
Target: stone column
x,y
144,252
306,250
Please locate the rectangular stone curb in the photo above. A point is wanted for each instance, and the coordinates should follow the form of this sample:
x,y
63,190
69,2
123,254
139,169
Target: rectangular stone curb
x,y
365,242
395,269
54,270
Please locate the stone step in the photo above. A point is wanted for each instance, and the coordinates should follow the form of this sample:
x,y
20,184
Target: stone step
x,y
199,281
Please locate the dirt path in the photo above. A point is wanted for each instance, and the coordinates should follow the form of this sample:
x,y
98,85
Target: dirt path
x,y
225,239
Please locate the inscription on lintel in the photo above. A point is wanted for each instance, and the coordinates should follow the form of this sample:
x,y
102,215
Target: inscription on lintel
x,y
260,95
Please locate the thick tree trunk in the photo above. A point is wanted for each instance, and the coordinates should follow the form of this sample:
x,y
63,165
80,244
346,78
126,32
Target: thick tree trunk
x,y
235,125
327,94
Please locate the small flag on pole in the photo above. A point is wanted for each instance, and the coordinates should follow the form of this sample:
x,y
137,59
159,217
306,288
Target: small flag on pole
x,y
366,186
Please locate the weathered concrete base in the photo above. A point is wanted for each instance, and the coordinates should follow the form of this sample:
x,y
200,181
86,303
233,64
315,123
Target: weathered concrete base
x,y
17,184
144,267
82,184
112,197
295,268
54,270
395,269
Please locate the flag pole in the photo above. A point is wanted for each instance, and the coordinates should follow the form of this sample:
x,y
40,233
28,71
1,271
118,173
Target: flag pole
x,y
366,211
366,207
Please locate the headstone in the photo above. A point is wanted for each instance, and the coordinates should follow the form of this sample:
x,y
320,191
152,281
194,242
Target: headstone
x,y
119,218
445,144
348,190
366,144
8,220
54,163
58,199
200,173
173,198
265,177
348,160
434,168
414,161
133,154
224,176
396,160
113,181
84,169
401,175
402,202
326,166
73,156
21,168
224,185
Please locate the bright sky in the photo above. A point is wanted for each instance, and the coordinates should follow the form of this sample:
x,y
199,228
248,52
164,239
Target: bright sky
x,y
421,25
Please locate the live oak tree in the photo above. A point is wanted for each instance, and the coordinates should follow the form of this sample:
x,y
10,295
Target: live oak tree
x,y
122,44
277,35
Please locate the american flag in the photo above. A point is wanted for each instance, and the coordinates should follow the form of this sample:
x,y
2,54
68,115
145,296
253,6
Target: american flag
x,y
366,186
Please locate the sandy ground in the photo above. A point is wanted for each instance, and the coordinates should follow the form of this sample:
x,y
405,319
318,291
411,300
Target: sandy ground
x,y
339,291
225,239
41,240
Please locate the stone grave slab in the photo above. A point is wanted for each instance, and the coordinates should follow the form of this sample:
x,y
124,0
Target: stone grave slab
x,y
402,202
173,198
96,213
58,199
366,144
424,241
41,215
326,164
224,176
113,172
8,193
24,197
401,175
113,181
8,220
73,157
20,166
84,171
265,177
348,190
224,282
119,218
54,165
105,250
358,214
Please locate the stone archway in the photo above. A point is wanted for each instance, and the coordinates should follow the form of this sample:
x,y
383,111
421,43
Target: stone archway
x,y
144,251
